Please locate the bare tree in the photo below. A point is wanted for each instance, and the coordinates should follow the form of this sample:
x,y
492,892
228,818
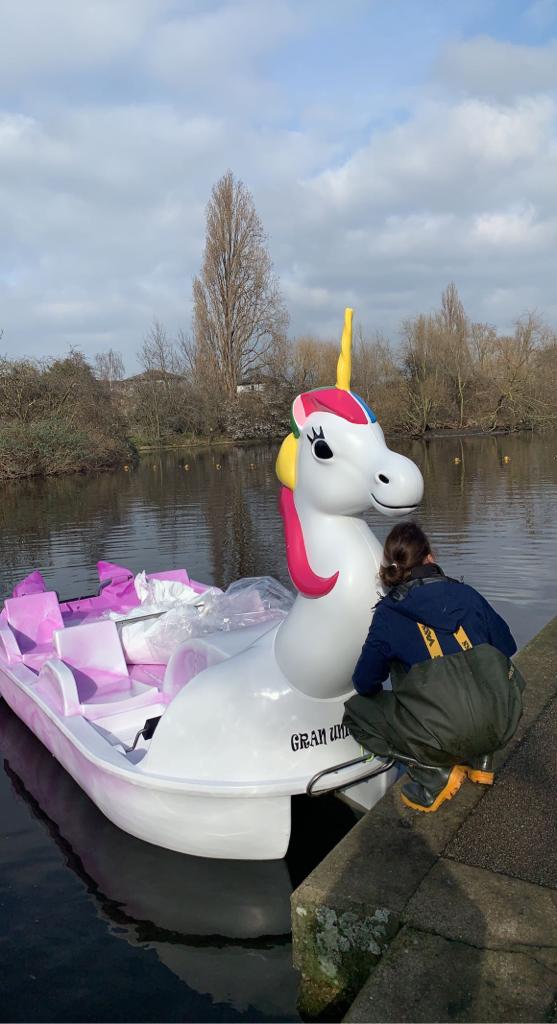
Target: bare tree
x,y
155,387
313,363
513,361
482,341
109,366
422,372
163,405
157,353
238,311
377,378
22,389
454,330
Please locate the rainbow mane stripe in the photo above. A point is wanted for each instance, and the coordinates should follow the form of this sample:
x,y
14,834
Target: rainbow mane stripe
x,y
341,403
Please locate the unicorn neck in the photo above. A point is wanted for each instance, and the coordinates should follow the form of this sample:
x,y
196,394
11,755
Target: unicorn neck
x,y
319,642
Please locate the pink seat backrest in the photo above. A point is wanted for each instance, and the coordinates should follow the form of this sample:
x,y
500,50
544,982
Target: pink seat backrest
x,y
34,617
93,648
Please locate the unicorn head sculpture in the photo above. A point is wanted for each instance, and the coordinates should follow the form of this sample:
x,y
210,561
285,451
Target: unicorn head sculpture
x,y
334,466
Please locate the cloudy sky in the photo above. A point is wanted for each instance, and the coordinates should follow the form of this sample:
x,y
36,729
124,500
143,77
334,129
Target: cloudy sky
x,y
390,146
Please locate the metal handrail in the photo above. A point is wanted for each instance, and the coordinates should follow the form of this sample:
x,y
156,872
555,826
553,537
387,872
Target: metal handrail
x,y
348,764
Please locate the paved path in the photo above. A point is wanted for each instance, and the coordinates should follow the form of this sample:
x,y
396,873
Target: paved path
x,y
452,916
479,939
514,829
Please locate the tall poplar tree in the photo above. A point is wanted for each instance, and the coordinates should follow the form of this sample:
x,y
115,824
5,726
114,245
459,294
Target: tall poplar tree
x,y
238,312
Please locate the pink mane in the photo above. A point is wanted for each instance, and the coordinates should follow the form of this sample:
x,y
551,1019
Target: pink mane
x,y
301,573
334,400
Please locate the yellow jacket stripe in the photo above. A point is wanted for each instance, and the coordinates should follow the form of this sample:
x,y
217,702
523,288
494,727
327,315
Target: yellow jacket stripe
x,y
429,637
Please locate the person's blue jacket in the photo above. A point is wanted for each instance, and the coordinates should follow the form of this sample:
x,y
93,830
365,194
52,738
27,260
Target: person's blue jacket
x,y
439,602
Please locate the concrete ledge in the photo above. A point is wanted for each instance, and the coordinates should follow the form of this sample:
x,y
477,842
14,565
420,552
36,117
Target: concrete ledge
x,y
426,977
347,913
348,910
484,909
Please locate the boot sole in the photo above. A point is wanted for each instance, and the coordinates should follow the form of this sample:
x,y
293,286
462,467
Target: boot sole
x,y
454,782
482,778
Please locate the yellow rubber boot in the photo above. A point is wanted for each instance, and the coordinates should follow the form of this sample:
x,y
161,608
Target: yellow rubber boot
x,y
480,770
428,788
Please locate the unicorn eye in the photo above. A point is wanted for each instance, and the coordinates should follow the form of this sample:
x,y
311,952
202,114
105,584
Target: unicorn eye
x,y
319,446
321,450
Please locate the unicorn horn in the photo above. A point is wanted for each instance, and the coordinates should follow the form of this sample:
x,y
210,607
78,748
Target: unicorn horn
x,y
344,365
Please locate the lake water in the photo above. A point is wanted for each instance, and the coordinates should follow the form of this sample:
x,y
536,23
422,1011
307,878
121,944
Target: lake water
x,y
96,925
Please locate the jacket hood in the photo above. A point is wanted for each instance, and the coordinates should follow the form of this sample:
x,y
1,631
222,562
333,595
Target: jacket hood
x,y
440,603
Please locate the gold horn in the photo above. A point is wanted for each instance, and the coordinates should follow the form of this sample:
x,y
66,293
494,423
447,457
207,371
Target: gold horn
x,y
344,365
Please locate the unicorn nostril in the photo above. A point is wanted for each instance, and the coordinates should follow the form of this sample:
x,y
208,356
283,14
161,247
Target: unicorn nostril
x,y
384,479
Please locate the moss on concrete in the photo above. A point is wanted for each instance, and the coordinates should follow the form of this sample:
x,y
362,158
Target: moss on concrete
x,y
335,951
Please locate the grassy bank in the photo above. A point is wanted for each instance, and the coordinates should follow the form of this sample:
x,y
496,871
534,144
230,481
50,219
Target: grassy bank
x,y
52,448
209,440
144,444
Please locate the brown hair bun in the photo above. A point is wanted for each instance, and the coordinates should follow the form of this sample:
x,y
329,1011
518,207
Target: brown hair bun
x,y
406,547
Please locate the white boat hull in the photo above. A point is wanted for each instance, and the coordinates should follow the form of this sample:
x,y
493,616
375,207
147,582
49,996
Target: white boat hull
x,y
247,822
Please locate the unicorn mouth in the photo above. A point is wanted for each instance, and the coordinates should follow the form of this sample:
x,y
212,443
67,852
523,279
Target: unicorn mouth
x,y
392,508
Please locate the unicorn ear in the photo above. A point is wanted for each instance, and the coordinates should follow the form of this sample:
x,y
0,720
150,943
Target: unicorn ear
x,y
344,365
298,415
286,462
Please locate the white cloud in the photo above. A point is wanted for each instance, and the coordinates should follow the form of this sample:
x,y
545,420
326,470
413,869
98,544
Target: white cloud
x,y
512,228
472,141
209,46
432,200
500,70
41,38
103,190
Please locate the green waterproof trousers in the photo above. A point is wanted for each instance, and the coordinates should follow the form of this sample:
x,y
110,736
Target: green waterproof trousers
x,y
443,711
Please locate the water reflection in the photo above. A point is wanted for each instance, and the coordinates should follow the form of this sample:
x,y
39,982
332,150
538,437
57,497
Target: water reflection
x,y
492,517
222,928
213,511
208,921
489,505
183,938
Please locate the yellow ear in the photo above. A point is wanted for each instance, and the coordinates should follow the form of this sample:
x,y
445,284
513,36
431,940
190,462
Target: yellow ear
x,y
286,462
344,365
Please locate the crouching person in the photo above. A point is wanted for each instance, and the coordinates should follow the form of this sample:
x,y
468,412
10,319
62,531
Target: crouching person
x,y
456,696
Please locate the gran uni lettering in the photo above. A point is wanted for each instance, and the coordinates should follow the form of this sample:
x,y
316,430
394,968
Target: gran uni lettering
x,y
318,737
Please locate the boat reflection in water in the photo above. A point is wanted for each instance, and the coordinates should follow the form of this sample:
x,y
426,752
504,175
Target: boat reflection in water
x,y
222,927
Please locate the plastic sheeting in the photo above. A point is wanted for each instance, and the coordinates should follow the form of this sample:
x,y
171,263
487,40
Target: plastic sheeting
x,y
171,615
160,594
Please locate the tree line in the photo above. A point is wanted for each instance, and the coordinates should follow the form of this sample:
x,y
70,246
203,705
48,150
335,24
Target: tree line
x,y
234,374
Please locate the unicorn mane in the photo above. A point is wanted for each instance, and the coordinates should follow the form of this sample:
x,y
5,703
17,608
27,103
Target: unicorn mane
x,y
302,575
342,402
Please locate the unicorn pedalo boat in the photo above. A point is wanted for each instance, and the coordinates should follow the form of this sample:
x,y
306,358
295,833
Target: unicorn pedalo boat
x,y
203,754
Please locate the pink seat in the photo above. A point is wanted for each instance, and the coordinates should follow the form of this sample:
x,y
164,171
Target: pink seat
x,y
58,687
33,620
95,654
9,647
36,658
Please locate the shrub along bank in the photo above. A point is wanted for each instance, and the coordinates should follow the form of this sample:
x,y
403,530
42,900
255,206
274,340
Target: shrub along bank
x,y
48,447
56,417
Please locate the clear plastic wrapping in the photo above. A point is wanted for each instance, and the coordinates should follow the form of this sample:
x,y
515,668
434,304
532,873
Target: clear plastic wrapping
x,y
153,633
